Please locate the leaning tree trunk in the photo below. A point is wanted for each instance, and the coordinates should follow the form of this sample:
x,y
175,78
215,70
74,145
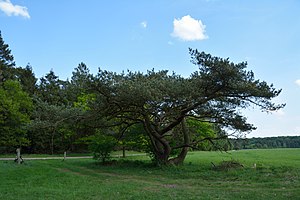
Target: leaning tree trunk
x,y
184,150
161,147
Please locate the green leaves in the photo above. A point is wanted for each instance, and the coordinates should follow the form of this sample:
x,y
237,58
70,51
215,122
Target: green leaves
x,y
15,109
161,101
6,61
158,102
102,145
84,100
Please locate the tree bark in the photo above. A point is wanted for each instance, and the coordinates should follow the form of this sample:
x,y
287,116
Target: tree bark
x,y
123,151
52,143
180,158
161,149
160,146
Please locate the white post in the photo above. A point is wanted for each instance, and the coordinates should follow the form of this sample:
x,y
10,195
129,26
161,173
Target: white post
x,y
18,155
65,155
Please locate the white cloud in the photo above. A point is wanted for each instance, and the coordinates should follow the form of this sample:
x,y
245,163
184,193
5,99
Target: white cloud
x,y
298,82
143,24
189,29
9,9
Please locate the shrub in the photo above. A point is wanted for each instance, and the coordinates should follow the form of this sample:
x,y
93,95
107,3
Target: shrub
x,y
102,145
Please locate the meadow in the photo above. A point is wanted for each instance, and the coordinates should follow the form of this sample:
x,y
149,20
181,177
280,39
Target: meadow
x,y
264,174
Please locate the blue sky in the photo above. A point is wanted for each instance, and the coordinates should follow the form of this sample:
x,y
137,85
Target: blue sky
x,y
138,35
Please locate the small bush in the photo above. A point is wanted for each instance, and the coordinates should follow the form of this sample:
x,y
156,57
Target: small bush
x,y
102,145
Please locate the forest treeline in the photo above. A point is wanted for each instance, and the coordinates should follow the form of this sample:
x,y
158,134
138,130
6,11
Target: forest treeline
x,y
157,112
266,143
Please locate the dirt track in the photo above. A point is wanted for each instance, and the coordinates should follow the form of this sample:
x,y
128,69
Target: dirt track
x,y
77,157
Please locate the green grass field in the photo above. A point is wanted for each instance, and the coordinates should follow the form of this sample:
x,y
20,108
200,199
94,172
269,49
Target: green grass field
x,y
276,176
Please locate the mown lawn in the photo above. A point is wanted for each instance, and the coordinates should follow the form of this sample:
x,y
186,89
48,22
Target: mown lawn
x,y
276,176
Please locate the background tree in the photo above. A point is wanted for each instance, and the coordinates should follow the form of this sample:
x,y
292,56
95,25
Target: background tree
x,y
80,77
134,138
52,90
15,109
266,143
59,105
27,79
162,102
203,134
53,127
7,62
15,103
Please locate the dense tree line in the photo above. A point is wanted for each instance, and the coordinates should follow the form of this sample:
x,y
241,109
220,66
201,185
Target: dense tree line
x,y
157,112
266,143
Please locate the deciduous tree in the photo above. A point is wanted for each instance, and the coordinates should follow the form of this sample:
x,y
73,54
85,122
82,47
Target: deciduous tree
x,y
15,109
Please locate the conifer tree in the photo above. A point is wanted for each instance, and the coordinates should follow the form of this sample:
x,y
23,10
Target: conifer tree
x,y
7,62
